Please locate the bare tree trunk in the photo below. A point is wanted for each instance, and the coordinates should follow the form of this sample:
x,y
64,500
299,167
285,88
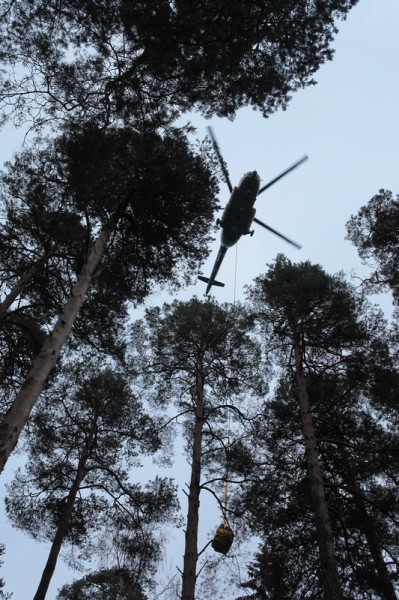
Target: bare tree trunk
x,y
18,414
329,579
191,538
18,287
386,587
3,373
62,529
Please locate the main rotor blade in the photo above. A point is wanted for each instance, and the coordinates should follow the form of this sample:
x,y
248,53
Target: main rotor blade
x,y
283,174
219,155
277,233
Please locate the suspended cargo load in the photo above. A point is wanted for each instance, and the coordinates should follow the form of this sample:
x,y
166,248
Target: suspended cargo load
x,y
223,539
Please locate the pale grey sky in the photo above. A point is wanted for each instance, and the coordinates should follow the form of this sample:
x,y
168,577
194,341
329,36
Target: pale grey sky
x,y
348,125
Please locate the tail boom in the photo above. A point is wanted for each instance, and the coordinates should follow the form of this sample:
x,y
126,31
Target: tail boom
x,y
207,280
211,280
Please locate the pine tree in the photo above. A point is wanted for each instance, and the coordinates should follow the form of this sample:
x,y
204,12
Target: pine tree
x,y
136,194
199,355
374,232
349,377
359,460
147,62
84,438
107,584
311,316
3,594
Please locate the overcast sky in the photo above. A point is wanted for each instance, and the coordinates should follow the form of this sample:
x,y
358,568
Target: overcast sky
x,y
348,125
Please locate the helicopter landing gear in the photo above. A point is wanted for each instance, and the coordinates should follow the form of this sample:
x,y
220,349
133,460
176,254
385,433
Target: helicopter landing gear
x,y
251,232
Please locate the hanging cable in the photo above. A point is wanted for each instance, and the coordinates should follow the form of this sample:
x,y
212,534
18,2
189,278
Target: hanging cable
x,y
235,276
226,477
224,536
235,269
226,487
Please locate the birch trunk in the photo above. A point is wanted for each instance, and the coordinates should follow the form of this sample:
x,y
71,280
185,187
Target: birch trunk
x,y
329,579
18,414
191,537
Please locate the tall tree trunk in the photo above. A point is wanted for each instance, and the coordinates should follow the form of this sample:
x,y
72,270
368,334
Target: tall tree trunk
x,y
18,414
191,538
329,579
386,588
63,524
3,373
18,287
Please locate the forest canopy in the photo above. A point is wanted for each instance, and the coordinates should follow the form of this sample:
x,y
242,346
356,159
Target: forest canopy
x,y
112,60
284,406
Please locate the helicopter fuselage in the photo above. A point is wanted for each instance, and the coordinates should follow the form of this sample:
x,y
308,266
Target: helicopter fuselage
x,y
239,212
236,221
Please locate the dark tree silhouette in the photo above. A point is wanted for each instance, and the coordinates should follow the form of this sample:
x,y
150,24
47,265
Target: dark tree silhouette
x,y
333,348
149,62
82,443
200,356
312,318
137,195
374,232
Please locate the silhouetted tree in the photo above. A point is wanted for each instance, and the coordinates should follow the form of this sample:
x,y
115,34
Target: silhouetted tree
x,y
333,348
374,232
108,584
137,195
149,62
200,356
359,461
83,440
128,558
3,594
311,317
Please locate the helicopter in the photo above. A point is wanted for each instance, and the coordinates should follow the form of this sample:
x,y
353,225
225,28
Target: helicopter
x,y
239,213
